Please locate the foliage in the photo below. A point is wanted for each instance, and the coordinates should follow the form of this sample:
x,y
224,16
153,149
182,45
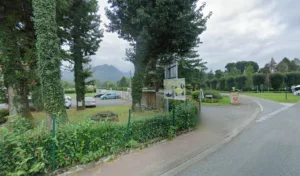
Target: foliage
x,y
241,81
210,75
276,80
222,83
84,40
249,71
292,78
159,31
17,58
215,94
219,74
3,115
230,82
230,66
29,153
47,45
214,83
72,90
123,82
258,79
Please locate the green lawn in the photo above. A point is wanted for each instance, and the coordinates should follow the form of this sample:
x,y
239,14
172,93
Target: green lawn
x,y
278,97
223,101
78,116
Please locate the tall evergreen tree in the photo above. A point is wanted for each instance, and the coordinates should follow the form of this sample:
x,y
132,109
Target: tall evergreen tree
x,y
84,39
49,63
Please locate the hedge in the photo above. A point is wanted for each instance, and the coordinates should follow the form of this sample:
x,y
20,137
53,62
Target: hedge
x,y
276,80
216,95
28,152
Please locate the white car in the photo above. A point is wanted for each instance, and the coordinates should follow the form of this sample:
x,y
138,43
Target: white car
x,y
68,102
296,90
89,102
3,106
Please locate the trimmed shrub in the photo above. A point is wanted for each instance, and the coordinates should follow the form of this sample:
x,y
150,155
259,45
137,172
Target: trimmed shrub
x,y
214,83
276,80
292,78
241,82
230,82
222,83
72,91
215,94
258,79
29,152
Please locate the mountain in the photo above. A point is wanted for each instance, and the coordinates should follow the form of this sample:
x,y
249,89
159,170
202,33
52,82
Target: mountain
x,y
100,72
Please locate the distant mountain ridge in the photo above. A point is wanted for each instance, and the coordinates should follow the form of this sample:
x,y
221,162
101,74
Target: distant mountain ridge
x,y
101,72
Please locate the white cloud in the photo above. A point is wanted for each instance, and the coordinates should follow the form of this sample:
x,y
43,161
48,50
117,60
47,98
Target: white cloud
x,y
238,30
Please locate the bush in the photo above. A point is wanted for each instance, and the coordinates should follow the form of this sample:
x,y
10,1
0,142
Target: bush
x,y
215,94
3,116
230,82
276,80
29,152
72,91
69,91
258,79
241,82
292,78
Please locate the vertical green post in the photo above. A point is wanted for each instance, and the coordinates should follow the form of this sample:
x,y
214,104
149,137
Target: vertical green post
x,y
53,142
286,93
128,125
174,118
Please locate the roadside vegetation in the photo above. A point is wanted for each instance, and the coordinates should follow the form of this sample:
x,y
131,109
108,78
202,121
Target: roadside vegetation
x,y
278,96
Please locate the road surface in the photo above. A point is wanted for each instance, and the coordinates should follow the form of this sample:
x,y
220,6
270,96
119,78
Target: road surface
x,y
268,147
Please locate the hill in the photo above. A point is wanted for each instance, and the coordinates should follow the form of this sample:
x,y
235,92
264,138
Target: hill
x,y
100,72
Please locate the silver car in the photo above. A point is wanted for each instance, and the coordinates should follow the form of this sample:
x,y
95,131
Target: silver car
x,y
89,102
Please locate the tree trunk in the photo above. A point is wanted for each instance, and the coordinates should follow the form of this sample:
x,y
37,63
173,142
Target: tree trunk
x,y
12,108
79,78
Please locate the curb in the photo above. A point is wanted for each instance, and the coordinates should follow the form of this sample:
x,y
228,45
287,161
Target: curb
x,y
196,158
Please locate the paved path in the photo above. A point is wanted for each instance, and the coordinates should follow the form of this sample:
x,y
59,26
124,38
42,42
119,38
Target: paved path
x,y
219,122
269,147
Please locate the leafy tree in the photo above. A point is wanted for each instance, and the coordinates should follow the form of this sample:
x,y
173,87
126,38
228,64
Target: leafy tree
x,y
241,81
222,83
123,82
233,72
230,66
249,71
283,65
210,75
214,83
258,79
292,78
219,74
230,82
159,31
49,63
276,80
241,66
254,65
272,65
18,60
296,64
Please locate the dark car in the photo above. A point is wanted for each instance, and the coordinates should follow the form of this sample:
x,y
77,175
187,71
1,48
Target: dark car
x,y
98,95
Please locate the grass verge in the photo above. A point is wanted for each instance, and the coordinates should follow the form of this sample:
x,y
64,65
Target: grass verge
x,y
278,97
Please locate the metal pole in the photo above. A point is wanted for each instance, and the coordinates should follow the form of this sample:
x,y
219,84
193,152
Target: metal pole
x,y
53,142
128,125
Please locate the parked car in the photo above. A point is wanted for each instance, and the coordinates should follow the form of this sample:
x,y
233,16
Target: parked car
x,y
89,102
68,102
111,95
98,95
3,106
296,90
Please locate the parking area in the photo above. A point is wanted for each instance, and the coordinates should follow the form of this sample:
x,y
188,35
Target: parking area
x,y
102,103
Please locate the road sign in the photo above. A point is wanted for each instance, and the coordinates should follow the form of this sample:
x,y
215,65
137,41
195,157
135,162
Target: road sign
x,y
174,89
235,99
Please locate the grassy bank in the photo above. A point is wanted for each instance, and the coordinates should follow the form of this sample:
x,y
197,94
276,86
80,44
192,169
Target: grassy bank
x,y
278,97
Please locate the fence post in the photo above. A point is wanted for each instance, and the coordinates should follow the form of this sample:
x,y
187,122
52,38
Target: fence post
x,y
53,142
128,126
174,118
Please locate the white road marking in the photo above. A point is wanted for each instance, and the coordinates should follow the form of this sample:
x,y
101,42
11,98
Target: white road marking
x,y
261,107
288,104
272,114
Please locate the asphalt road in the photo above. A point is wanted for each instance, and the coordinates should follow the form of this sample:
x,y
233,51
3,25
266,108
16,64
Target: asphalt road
x,y
268,147
111,102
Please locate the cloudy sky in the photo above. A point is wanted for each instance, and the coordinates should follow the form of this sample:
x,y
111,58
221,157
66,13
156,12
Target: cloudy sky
x,y
238,30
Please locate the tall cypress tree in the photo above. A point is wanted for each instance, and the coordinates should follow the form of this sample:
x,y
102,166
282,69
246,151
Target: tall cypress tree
x,y
49,63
